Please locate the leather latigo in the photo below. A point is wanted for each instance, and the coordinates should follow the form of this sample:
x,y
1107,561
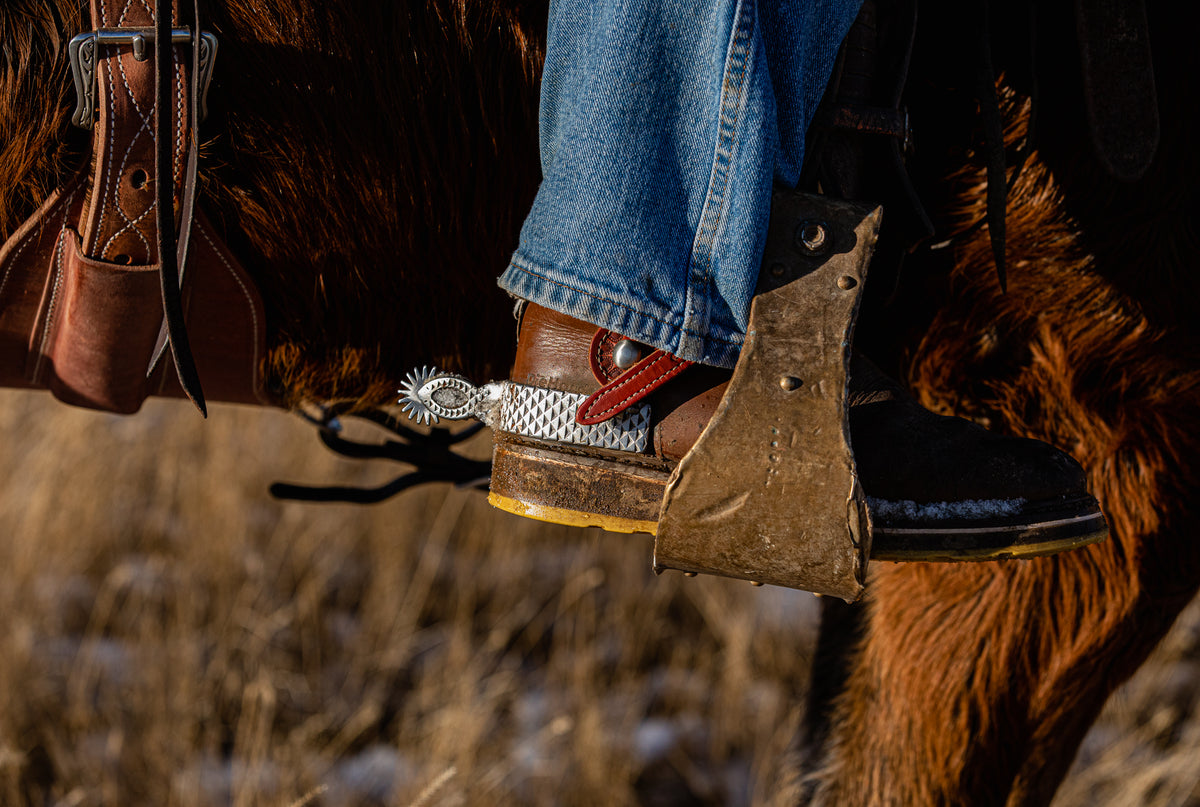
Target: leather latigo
x,y
80,298
556,351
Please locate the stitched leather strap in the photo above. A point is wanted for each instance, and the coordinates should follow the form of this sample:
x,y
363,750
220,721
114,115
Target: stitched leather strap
x,y
630,387
119,224
145,160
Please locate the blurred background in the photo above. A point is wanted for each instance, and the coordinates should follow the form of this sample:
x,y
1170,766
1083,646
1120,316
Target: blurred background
x,y
171,635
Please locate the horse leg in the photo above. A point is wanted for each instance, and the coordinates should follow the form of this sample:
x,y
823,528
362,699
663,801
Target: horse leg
x,y
975,685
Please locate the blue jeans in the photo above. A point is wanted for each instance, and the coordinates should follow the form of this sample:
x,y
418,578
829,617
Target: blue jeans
x,y
665,126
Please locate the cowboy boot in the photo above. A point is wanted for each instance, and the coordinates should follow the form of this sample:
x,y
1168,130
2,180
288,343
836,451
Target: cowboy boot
x,y
938,488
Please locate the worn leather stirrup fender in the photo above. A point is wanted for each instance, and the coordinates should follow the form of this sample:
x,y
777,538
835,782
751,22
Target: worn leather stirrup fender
x,y
769,493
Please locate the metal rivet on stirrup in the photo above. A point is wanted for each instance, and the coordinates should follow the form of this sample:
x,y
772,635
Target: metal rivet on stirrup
x,y
813,237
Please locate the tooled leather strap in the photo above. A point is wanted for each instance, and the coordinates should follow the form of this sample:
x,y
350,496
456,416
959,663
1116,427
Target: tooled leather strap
x,y
144,132
119,225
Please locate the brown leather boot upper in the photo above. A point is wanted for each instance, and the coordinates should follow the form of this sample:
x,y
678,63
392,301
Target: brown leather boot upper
x,y
560,352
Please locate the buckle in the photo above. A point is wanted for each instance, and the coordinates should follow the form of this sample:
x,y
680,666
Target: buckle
x,y
82,50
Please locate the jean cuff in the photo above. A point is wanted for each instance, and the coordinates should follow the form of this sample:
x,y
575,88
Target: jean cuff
x,y
660,329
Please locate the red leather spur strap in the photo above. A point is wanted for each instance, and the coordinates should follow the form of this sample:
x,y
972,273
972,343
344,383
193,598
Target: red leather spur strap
x,y
81,307
630,387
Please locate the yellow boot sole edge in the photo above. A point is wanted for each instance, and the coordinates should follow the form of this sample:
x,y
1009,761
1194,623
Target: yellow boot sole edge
x,y
578,518
570,518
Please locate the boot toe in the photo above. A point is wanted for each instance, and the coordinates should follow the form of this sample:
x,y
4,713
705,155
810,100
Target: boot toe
x,y
943,487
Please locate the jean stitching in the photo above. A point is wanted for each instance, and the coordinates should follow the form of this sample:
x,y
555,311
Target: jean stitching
x,y
622,306
713,213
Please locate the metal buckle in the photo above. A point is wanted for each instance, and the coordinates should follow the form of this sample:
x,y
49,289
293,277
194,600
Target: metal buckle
x,y
83,64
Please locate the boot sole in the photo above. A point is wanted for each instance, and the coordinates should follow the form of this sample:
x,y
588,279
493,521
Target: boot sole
x,y
578,491
1058,527
583,491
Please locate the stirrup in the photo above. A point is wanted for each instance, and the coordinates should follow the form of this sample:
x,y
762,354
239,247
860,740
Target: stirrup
x,y
769,493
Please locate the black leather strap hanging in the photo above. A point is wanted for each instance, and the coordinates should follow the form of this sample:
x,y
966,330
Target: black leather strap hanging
x,y
172,247
993,134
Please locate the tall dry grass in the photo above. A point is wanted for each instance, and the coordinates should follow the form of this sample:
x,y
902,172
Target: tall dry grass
x,y
169,635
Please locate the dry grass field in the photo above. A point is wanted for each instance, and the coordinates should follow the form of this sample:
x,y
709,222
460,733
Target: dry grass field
x,y
170,635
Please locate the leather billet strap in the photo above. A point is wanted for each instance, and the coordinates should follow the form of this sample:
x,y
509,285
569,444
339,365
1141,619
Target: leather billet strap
x,y
120,223
1117,66
92,287
144,156
863,121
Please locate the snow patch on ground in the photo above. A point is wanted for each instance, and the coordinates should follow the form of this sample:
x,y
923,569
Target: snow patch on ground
x,y
211,781
372,776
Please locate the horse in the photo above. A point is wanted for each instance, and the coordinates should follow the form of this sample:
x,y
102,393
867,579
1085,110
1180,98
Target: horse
x,y
369,165
1089,349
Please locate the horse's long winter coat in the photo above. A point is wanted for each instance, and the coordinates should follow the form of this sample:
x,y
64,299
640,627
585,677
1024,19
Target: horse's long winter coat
x,y
370,163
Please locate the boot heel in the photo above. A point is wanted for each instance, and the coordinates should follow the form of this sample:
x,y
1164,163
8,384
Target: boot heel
x,y
562,488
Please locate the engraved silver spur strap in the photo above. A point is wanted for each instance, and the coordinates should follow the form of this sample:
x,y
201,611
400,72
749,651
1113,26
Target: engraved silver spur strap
x,y
429,395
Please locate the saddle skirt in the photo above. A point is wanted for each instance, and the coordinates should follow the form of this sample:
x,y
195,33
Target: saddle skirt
x,y
88,329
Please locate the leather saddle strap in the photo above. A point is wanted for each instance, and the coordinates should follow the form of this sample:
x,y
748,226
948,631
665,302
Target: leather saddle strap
x,y
1118,82
120,223
861,131
144,160
172,247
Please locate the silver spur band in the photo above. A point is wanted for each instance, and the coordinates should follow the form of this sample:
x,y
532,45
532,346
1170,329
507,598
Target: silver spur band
x,y
535,412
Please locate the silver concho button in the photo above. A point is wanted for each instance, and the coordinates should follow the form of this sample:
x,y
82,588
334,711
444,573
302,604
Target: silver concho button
x,y
627,353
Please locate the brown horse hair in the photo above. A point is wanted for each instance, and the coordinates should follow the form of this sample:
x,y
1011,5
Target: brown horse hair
x,y
36,150
974,684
